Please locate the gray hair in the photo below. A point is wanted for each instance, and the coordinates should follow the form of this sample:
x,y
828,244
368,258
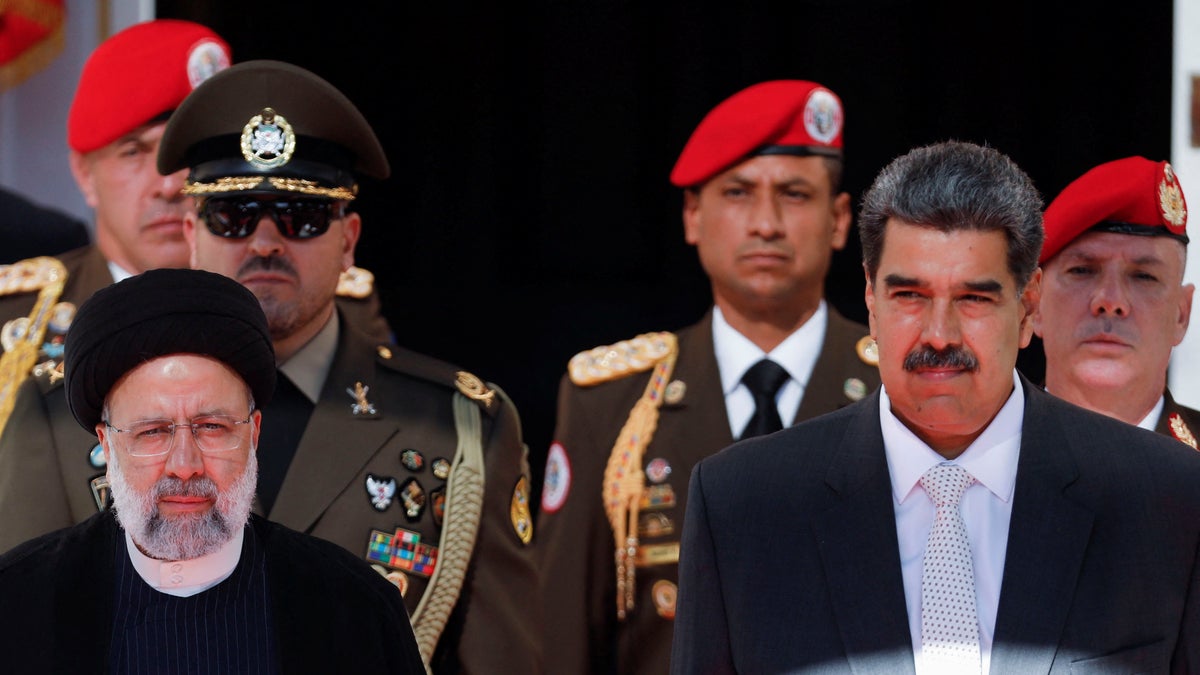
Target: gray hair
x,y
954,186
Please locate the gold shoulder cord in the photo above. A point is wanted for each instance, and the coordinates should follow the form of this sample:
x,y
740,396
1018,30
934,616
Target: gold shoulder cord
x,y
19,358
624,480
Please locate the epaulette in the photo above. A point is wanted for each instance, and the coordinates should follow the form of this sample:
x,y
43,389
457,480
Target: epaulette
x,y
355,282
29,275
438,371
611,362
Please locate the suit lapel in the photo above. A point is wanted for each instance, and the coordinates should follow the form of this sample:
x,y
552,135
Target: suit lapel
x,y
860,552
1047,540
336,443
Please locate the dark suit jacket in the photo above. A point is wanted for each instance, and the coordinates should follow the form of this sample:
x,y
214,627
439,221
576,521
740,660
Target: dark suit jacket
x,y
45,474
791,563
576,541
333,614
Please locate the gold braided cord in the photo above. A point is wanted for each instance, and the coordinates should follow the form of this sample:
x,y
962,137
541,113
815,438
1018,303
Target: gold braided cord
x,y
18,360
464,507
624,480
242,183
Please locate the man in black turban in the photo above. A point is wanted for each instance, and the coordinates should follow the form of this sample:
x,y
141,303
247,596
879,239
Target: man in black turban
x,y
167,369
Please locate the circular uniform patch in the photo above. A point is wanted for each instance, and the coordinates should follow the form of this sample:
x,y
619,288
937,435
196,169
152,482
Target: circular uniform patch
x,y
665,593
558,479
823,115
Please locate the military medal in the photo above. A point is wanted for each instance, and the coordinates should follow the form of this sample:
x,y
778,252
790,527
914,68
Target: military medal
x,y
664,593
361,407
441,468
657,470
96,457
437,504
557,482
522,520
854,389
675,392
412,498
101,492
412,460
403,551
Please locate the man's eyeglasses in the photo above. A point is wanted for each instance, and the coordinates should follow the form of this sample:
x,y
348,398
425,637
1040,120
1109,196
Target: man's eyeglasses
x,y
154,438
237,217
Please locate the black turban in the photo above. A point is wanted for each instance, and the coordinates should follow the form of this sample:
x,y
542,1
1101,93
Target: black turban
x,y
163,312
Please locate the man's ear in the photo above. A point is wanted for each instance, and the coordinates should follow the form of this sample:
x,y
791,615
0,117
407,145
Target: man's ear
x,y
81,169
1031,300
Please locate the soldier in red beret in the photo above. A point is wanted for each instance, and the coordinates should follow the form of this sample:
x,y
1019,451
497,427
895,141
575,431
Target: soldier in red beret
x,y
1113,299
763,206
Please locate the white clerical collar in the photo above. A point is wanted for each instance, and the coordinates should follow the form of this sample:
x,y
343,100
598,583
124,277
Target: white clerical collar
x,y
991,458
1150,421
118,273
185,578
308,367
797,353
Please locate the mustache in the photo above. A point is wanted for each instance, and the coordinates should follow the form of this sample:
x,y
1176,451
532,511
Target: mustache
x,y
952,356
170,486
271,263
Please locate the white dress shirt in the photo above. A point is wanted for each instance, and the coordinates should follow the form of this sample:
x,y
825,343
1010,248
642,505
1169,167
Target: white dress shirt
x,y
185,578
736,353
986,507
1150,421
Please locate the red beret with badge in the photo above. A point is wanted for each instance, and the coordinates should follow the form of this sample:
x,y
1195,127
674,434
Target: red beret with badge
x,y
139,75
1134,195
779,117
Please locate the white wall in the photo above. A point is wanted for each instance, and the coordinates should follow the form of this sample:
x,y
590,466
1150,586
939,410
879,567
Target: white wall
x,y
1185,361
33,115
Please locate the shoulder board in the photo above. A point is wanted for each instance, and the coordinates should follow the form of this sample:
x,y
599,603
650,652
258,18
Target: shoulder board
x,y
437,371
611,362
29,275
355,282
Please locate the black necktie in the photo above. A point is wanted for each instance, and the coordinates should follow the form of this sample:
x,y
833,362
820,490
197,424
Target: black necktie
x,y
284,420
764,380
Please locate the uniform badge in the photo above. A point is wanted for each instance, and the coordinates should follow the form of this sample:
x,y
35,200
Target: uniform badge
x,y
412,460
657,554
361,406
381,491
1170,198
399,579
205,59
557,483
657,497
654,524
268,140
658,470
384,352
665,593
854,389
868,350
101,492
355,282
61,316
440,468
402,551
437,505
96,457
13,332
822,116
1180,430
675,392
522,520
412,498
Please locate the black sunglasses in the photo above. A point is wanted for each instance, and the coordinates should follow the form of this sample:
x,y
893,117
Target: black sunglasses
x,y
237,217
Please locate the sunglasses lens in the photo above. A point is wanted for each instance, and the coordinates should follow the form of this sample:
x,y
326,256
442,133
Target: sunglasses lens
x,y
233,218
230,218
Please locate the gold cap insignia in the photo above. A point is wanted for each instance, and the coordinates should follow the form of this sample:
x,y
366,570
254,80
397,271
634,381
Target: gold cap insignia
x,y
868,350
1170,198
268,140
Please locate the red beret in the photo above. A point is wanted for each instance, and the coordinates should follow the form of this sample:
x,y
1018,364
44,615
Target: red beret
x,y
780,117
1130,196
138,75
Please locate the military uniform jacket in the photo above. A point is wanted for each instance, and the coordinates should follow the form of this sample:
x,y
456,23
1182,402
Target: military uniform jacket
x,y
331,614
575,540
1179,422
47,468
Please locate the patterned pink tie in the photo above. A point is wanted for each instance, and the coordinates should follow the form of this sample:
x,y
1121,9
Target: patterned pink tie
x,y
949,623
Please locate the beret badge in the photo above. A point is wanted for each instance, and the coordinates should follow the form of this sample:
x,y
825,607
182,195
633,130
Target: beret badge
x,y
1170,198
823,116
268,140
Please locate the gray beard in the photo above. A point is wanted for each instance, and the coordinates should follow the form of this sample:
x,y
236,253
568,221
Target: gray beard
x,y
189,536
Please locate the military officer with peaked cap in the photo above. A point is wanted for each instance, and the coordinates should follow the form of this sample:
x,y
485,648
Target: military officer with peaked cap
x,y
411,463
1113,299
762,204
